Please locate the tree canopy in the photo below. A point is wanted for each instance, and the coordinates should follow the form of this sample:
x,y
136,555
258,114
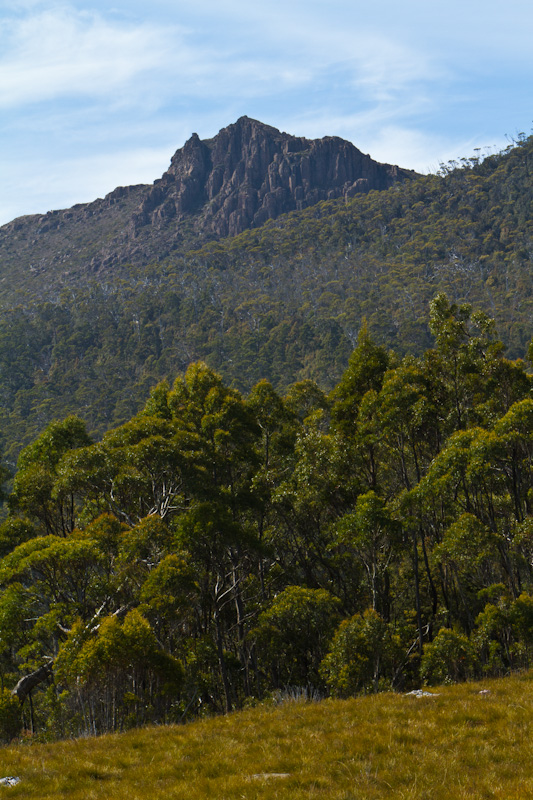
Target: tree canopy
x,y
216,547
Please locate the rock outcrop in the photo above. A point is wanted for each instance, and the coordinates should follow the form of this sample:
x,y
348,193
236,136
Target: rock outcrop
x,y
250,172
245,175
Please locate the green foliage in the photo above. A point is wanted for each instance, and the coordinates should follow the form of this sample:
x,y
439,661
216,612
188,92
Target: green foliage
x,y
373,536
203,553
14,531
284,302
35,490
449,657
122,662
10,716
366,369
294,633
362,656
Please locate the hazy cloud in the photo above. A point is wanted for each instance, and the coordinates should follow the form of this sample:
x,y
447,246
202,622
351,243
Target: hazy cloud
x,y
64,52
61,52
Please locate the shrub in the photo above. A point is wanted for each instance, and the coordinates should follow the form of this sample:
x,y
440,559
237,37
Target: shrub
x,y
362,656
449,658
294,633
10,716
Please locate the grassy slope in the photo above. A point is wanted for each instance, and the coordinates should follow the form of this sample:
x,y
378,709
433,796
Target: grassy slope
x,y
458,744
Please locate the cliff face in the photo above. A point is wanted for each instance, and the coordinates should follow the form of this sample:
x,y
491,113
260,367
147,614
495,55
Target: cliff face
x,y
248,173
251,172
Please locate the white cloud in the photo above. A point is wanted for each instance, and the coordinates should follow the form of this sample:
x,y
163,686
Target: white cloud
x,y
60,52
321,36
125,84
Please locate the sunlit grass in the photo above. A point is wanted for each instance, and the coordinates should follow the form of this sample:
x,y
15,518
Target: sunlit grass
x,y
456,744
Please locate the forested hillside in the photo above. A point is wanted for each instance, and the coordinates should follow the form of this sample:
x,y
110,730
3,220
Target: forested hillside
x,y
219,547
284,301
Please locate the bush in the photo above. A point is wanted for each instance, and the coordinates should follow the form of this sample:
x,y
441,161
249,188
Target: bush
x,y
10,716
448,659
294,633
362,656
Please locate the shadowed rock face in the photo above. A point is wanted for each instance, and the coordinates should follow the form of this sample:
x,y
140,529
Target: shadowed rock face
x,y
248,173
251,172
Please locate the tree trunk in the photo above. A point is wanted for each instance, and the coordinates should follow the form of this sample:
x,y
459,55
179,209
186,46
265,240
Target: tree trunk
x,y
29,682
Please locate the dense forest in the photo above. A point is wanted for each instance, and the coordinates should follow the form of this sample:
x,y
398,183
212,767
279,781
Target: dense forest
x,y
220,547
284,302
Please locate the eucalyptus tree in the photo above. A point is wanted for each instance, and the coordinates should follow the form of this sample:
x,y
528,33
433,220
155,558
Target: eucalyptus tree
x,y
215,529
374,537
36,492
366,369
466,354
293,636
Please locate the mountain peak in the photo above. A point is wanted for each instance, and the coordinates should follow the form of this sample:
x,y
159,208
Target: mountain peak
x,y
248,173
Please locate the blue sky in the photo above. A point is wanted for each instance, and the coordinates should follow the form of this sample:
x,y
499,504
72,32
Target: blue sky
x,y
94,95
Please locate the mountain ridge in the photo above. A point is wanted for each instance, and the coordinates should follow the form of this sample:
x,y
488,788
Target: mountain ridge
x,y
245,175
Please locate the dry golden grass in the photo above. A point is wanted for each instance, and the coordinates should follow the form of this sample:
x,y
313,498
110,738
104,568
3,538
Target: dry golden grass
x,y
457,744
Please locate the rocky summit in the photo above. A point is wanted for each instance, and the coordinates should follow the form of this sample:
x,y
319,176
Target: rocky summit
x,y
250,172
245,175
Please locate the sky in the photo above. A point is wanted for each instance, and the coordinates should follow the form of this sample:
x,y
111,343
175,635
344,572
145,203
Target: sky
x,y
95,94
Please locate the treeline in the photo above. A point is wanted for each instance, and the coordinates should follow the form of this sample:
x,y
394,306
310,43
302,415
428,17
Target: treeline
x,y
218,548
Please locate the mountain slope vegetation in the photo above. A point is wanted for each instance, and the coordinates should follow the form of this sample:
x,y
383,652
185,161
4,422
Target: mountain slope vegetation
x,y
248,173
284,301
